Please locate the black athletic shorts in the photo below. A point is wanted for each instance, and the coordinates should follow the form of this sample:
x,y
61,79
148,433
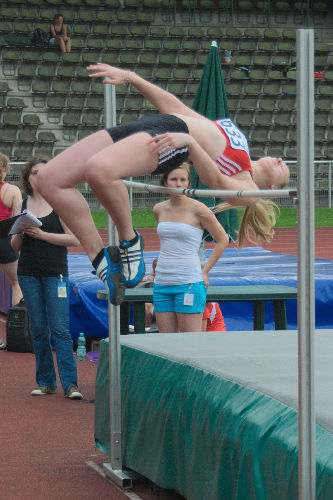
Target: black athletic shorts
x,y
155,125
7,253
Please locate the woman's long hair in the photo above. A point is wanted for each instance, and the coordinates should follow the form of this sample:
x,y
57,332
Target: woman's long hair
x,y
4,161
25,172
257,222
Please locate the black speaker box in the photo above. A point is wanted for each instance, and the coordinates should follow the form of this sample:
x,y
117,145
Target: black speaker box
x,y
18,335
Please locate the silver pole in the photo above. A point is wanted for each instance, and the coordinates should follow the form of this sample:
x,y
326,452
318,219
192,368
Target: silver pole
x,y
210,193
329,174
114,470
306,310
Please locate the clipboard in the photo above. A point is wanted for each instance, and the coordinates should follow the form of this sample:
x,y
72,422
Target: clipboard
x,y
18,224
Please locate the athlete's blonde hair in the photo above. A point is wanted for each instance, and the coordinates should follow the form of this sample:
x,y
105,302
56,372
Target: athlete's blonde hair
x,y
257,222
4,161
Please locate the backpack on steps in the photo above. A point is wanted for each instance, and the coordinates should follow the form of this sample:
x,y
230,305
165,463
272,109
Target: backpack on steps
x,y
40,37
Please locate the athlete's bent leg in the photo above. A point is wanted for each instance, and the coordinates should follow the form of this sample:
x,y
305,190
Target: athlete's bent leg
x,y
56,181
129,157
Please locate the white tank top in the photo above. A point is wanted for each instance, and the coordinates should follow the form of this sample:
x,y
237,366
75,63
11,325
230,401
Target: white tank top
x,y
179,261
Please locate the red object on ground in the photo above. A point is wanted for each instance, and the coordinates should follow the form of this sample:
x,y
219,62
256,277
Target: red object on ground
x,y
214,317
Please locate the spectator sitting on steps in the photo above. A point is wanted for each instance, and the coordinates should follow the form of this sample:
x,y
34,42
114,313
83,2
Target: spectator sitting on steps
x,y
58,33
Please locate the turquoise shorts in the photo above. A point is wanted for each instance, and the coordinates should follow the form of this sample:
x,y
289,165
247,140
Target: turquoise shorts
x,y
190,298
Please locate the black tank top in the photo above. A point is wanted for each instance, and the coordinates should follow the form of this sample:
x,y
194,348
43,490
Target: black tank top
x,y
40,258
58,32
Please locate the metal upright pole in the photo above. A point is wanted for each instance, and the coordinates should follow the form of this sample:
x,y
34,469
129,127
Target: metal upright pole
x,y
306,310
329,178
114,470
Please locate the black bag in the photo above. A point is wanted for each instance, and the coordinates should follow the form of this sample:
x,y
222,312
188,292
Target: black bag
x,y
40,37
18,335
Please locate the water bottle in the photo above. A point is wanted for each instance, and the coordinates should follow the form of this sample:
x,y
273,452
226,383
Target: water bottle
x,y
81,347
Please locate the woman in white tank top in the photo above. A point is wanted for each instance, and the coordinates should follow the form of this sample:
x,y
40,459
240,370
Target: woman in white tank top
x,y
180,283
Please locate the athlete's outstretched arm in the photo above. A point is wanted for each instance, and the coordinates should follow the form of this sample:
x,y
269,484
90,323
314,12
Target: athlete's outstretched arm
x,y
163,100
205,167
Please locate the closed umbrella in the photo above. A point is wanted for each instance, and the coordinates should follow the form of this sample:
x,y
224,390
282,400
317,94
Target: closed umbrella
x,y
211,101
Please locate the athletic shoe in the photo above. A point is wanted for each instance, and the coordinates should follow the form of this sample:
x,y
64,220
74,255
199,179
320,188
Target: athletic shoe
x,y
42,391
133,263
2,344
110,271
73,393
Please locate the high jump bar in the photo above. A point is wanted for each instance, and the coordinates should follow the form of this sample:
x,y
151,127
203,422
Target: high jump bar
x,y
225,194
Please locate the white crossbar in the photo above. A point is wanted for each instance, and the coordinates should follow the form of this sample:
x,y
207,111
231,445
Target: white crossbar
x,y
210,193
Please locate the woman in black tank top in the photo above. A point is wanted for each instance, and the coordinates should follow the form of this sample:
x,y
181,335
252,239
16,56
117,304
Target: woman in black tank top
x,y
58,33
43,277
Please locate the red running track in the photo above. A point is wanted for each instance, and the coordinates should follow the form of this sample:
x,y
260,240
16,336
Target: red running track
x,y
284,241
46,442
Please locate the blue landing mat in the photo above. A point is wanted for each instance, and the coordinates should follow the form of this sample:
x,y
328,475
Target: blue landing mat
x,y
249,266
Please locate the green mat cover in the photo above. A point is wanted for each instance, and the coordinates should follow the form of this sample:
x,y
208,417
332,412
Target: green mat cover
x,y
204,436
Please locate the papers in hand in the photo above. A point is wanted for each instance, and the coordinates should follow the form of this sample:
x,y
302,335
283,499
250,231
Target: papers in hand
x,y
24,220
18,224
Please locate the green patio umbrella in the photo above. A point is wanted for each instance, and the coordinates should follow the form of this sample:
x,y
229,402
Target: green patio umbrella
x,y
211,101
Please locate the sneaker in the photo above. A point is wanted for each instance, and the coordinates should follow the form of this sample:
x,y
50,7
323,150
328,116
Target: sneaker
x,y
133,263
2,344
73,393
42,391
110,272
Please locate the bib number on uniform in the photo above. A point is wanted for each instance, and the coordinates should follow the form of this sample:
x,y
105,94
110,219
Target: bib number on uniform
x,y
236,137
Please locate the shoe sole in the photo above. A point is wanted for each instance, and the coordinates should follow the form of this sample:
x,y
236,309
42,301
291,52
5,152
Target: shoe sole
x,y
130,283
116,285
75,397
42,394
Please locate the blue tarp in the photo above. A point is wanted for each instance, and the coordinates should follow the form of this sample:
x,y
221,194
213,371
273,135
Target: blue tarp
x,y
249,266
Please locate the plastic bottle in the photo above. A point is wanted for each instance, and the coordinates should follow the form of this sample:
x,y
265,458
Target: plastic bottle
x,y
81,347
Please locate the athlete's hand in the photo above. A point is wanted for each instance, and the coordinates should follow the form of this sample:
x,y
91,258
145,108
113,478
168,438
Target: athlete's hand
x,y
169,140
110,74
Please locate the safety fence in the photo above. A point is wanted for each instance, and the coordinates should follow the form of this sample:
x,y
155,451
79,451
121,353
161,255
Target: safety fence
x,y
141,200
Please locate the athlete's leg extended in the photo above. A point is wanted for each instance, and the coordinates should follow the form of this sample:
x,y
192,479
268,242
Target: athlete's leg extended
x,y
101,163
56,181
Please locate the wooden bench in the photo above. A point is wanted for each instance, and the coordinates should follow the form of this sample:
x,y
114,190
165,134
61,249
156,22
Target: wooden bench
x,y
258,294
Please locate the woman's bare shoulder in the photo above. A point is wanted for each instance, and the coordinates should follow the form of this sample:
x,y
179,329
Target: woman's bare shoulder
x,y
160,205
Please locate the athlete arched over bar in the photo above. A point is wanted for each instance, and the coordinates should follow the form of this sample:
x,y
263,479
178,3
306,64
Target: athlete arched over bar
x,y
152,144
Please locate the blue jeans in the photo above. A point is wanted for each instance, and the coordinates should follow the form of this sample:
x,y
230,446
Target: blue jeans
x,y
49,315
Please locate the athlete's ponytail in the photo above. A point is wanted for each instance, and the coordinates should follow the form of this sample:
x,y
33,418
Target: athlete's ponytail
x,y
257,222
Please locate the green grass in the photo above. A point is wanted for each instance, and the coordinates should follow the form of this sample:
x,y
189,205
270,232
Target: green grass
x,y
145,218
288,216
